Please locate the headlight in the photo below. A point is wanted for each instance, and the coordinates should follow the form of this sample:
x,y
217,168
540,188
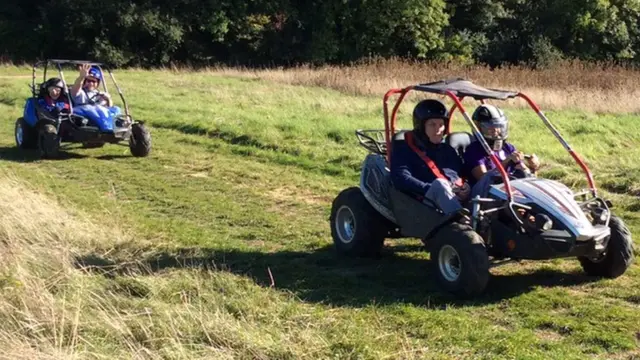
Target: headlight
x,y
600,215
543,222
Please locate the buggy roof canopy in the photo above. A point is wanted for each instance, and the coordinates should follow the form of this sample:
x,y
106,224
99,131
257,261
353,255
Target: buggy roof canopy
x,y
463,88
73,62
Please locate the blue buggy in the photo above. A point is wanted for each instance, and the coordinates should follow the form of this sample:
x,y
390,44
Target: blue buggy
x,y
47,123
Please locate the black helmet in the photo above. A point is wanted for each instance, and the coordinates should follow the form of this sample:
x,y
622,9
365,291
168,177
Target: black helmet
x,y
489,117
44,87
428,109
55,82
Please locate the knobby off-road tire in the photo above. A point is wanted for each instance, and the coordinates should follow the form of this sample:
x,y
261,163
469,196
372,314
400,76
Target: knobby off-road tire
x,y
140,140
26,137
356,227
48,141
460,261
617,257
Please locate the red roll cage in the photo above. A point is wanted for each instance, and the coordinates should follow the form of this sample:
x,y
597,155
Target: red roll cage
x,y
457,90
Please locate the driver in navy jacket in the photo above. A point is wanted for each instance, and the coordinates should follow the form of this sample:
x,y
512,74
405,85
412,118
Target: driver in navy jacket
x,y
424,165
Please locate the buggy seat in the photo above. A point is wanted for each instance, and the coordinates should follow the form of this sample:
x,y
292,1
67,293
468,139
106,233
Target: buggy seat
x,y
399,135
460,141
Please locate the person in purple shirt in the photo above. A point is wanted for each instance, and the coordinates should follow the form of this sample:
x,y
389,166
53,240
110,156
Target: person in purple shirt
x,y
494,126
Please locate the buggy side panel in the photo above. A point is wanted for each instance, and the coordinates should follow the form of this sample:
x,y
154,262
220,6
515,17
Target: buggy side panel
x,y
100,116
375,182
415,218
29,114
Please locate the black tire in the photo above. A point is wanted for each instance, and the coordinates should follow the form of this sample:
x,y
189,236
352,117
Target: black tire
x,y
26,137
48,141
460,261
140,140
617,257
356,227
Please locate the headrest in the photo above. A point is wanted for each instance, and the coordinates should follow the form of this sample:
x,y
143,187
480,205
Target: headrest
x,y
460,140
399,136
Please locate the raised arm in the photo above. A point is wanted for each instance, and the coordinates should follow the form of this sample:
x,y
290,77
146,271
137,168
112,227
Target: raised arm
x,y
77,85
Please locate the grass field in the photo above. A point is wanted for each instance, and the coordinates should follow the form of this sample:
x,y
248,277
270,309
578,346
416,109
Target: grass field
x,y
218,244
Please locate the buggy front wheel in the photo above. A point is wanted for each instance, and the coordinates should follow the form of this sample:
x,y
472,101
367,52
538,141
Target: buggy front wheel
x,y
618,255
459,260
48,141
140,140
26,137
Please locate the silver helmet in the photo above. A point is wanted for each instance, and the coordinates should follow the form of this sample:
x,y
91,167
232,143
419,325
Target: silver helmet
x,y
493,124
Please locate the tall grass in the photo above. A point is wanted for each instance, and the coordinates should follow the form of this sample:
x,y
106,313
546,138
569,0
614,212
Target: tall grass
x,y
595,87
61,298
53,308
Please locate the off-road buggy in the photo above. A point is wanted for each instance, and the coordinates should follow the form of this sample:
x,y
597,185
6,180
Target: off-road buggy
x,y
93,124
524,218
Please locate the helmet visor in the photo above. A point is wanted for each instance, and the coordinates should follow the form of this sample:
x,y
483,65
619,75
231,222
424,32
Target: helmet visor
x,y
497,130
52,84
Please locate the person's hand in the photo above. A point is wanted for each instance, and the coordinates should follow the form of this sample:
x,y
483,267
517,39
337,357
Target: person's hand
x,y
463,192
516,157
103,99
84,70
533,163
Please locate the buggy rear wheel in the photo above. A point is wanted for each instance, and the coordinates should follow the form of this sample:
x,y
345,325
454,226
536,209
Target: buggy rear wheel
x,y
48,141
26,137
140,140
356,227
618,255
459,260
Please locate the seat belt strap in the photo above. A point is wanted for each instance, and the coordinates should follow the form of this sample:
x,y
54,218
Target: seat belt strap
x,y
432,165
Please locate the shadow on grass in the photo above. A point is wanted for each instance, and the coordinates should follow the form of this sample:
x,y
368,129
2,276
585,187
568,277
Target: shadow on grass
x,y
323,276
12,153
4,100
113,157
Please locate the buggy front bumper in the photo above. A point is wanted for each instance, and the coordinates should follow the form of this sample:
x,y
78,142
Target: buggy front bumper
x,y
93,134
546,245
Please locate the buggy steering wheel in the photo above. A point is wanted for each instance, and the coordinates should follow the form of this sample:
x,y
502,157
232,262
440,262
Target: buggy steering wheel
x,y
99,99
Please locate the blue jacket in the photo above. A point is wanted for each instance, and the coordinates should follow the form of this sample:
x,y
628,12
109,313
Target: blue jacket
x,y
53,106
411,174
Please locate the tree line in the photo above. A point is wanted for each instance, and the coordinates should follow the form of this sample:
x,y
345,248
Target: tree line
x,y
289,32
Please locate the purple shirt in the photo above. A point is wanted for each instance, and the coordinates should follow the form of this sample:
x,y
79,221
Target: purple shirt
x,y
475,155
